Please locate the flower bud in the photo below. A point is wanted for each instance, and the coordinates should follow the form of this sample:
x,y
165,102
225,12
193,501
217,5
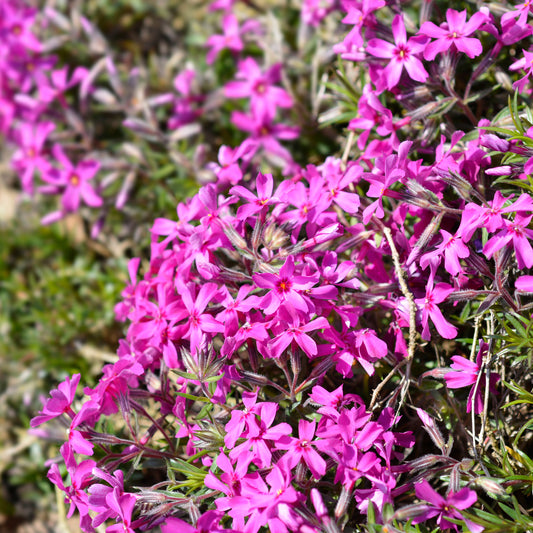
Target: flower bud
x,y
491,487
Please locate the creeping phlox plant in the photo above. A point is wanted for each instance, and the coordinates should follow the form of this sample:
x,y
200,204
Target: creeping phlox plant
x,y
306,333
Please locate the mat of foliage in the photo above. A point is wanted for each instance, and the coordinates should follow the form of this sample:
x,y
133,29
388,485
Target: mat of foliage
x,y
332,332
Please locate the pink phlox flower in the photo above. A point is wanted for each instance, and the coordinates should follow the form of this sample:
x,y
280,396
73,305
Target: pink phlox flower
x,y
511,31
349,427
80,476
361,14
402,54
524,63
336,181
86,417
259,87
266,134
233,479
260,437
181,228
444,508
453,249
371,113
280,492
369,348
198,321
231,38
117,379
31,155
59,403
333,401
240,418
25,71
385,174
334,273
295,331
122,504
521,11
185,108
351,48
228,171
98,493
253,328
264,185
515,231
73,181
132,294
310,201
16,28
465,373
301,449
355,464
314,11
225,5
215,206
454,34
435,294
59,84
153,319
234,308
341,347
285,288
475,216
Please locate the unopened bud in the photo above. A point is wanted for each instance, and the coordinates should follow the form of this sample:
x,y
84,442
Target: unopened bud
x,y
425,462
410,511
237,240
253,378
342,503
274,237
491,486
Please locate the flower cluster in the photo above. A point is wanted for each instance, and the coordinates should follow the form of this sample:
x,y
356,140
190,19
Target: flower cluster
x,y
283,289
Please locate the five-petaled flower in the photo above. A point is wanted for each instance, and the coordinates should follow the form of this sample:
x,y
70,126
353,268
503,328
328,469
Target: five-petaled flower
x,y
402,54
454,34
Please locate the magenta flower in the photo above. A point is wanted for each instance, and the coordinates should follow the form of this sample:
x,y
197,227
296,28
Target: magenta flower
x,y
465,373
443,508
517,233
122,504
266,133
261,435
60,401
80,476
16,26
73,181
525,63
453,249
298,334
198,320
31,154
301,448
264,185
285,288
231,39
454,34
402,54
435,295
476,216
259,87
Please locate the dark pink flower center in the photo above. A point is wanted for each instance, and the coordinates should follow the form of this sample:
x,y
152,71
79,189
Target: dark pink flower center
x,y
284,285
401,52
